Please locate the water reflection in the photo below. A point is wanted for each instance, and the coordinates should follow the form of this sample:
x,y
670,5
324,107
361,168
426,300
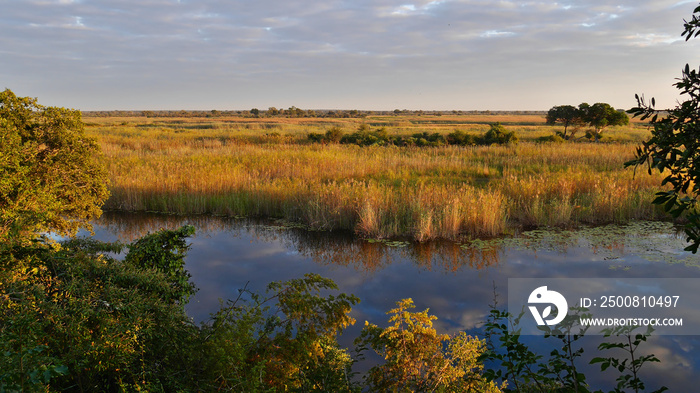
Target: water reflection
x,y
455,281
324,248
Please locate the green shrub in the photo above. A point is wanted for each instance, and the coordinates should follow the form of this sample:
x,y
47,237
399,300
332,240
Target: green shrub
x,y
460,138
334,134
90,322
315,137
254,344
365,137
551,138
498,134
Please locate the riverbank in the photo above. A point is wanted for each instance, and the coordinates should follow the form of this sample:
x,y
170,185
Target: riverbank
x,y
268,167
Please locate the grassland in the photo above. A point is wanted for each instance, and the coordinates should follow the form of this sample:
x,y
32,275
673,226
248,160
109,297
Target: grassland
x,y
267,167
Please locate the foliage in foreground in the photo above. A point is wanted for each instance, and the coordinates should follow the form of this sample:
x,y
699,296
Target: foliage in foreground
x,y
285,340
417,359
51,175
528,371
673,147
73,318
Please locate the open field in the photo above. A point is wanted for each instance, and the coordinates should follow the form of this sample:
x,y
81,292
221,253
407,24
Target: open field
x,y
245,166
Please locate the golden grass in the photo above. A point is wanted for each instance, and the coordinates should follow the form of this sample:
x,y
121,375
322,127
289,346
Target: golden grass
x,y
266,167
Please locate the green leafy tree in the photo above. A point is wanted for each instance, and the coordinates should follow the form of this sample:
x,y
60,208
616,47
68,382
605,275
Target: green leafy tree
x,y
566,115
51,175
600,116
674,145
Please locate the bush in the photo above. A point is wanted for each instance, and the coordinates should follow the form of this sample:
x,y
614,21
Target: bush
x,y
425,139
253,345
365,137
460,138
315,137
420,360
92,322
498,134
334,134
551,138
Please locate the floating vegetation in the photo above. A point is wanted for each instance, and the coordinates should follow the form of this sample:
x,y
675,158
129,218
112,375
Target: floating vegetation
x,y
390,243
281,225
652,240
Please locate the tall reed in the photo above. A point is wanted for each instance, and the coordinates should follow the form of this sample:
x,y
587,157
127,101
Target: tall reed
x,y
447,192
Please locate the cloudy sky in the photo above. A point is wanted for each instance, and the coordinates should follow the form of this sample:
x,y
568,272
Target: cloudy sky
x,y
343,54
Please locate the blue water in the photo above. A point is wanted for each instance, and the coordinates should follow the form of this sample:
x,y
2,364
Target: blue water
x,y
456,283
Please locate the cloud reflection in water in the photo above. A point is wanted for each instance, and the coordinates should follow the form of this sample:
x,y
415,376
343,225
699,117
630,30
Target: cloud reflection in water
x,y
456,282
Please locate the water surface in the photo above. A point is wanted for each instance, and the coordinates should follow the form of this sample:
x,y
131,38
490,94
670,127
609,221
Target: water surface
x,y
457,282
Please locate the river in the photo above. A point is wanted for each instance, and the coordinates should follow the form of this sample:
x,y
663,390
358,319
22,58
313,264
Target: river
x,y
457,282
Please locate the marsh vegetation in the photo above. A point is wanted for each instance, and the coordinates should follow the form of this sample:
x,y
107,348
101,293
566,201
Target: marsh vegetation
x,y
422,188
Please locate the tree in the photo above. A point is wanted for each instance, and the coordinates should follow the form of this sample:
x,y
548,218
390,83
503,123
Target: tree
x,y
601,115
567,115
674,145
51,174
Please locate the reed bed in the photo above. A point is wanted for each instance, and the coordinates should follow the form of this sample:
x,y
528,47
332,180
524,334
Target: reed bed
x,y
269,169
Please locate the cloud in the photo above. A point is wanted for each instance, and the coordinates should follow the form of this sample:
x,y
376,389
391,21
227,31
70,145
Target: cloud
x,y
342,44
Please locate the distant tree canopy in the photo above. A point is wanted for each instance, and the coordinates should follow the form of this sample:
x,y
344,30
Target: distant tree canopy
x,y
51,176
601,115
597,116
567,115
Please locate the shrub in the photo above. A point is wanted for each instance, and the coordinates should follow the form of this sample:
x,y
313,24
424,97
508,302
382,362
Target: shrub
x,y
89,322
425,139
551,138
420,360
315,137
365,137
461,138
334,134
254,345
498,134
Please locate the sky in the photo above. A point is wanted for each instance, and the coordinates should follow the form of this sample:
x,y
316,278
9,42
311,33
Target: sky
x,y
342,54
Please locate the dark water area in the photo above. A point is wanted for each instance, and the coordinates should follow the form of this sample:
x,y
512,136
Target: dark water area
x,y
456,282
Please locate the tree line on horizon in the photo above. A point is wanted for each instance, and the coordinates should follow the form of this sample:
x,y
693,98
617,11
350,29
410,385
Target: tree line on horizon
x,y
273,112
